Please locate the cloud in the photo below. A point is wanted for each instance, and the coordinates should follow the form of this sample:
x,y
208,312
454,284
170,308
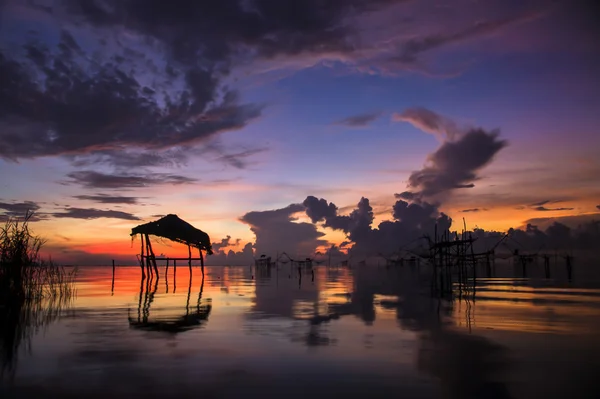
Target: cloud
x,y
411,49
92,179
360,120
428,121
239,159
19,208
122,86
224,243
410,222
108,199
455,163
318,209
544,209
91,213
473,210
277,231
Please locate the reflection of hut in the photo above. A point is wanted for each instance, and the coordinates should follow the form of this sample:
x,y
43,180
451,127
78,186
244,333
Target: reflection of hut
x,y
263,261
194,317
174,229
306,263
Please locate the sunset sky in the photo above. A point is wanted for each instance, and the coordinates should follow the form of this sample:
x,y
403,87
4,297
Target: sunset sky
x,y
114,113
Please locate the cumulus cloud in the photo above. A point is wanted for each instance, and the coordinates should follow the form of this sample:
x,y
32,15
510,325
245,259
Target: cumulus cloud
x,y
277,231
360,120
108,199
94,180
224,243
410,221
91,213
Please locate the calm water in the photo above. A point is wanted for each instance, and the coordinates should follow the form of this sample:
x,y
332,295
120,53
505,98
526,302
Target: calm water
x,y
369,331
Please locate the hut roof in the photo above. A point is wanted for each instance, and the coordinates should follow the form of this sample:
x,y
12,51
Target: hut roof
x,y
176,229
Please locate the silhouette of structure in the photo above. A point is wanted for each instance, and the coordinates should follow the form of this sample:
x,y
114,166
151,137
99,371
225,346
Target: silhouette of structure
x,y
263,261
194,317
174,229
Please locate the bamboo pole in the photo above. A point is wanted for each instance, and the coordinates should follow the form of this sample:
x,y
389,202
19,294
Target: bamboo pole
x,y
142,256
152,255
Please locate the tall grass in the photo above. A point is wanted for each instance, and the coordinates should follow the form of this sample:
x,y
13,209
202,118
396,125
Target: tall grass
x,y
33,291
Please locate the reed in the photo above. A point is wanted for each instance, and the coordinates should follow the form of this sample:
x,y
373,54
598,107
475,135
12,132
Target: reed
x,y
34,292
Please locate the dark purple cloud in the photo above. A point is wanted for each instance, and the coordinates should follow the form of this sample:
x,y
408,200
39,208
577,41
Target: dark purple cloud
x,y
456,163
108,199
91,213
359,120
95,180
428,121
19,208
411,50
471,210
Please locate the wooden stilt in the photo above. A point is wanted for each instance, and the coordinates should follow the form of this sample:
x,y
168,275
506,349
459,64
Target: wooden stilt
x,y
152,256
142,256
190,258
148,269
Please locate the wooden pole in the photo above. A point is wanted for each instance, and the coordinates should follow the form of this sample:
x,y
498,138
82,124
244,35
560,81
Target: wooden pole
x,y
151,253
142,255
147,255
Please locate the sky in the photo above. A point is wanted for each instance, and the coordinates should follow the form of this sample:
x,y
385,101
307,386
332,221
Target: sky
x,y
296,125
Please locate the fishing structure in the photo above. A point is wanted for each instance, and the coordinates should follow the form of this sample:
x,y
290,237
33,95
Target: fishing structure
x,y
175,229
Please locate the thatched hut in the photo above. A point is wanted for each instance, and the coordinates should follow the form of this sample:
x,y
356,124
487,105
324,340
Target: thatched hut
x,y
174,229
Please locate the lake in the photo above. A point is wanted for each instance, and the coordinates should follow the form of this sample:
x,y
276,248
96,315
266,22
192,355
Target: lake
x,y
341,332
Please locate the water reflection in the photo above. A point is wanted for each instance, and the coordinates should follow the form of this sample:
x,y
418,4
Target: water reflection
x,y
194,316
21,318
370,331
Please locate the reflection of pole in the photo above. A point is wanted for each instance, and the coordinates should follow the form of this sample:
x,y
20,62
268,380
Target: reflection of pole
x,y
174,275
200,293
112,287
140,300
187,304
201,262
